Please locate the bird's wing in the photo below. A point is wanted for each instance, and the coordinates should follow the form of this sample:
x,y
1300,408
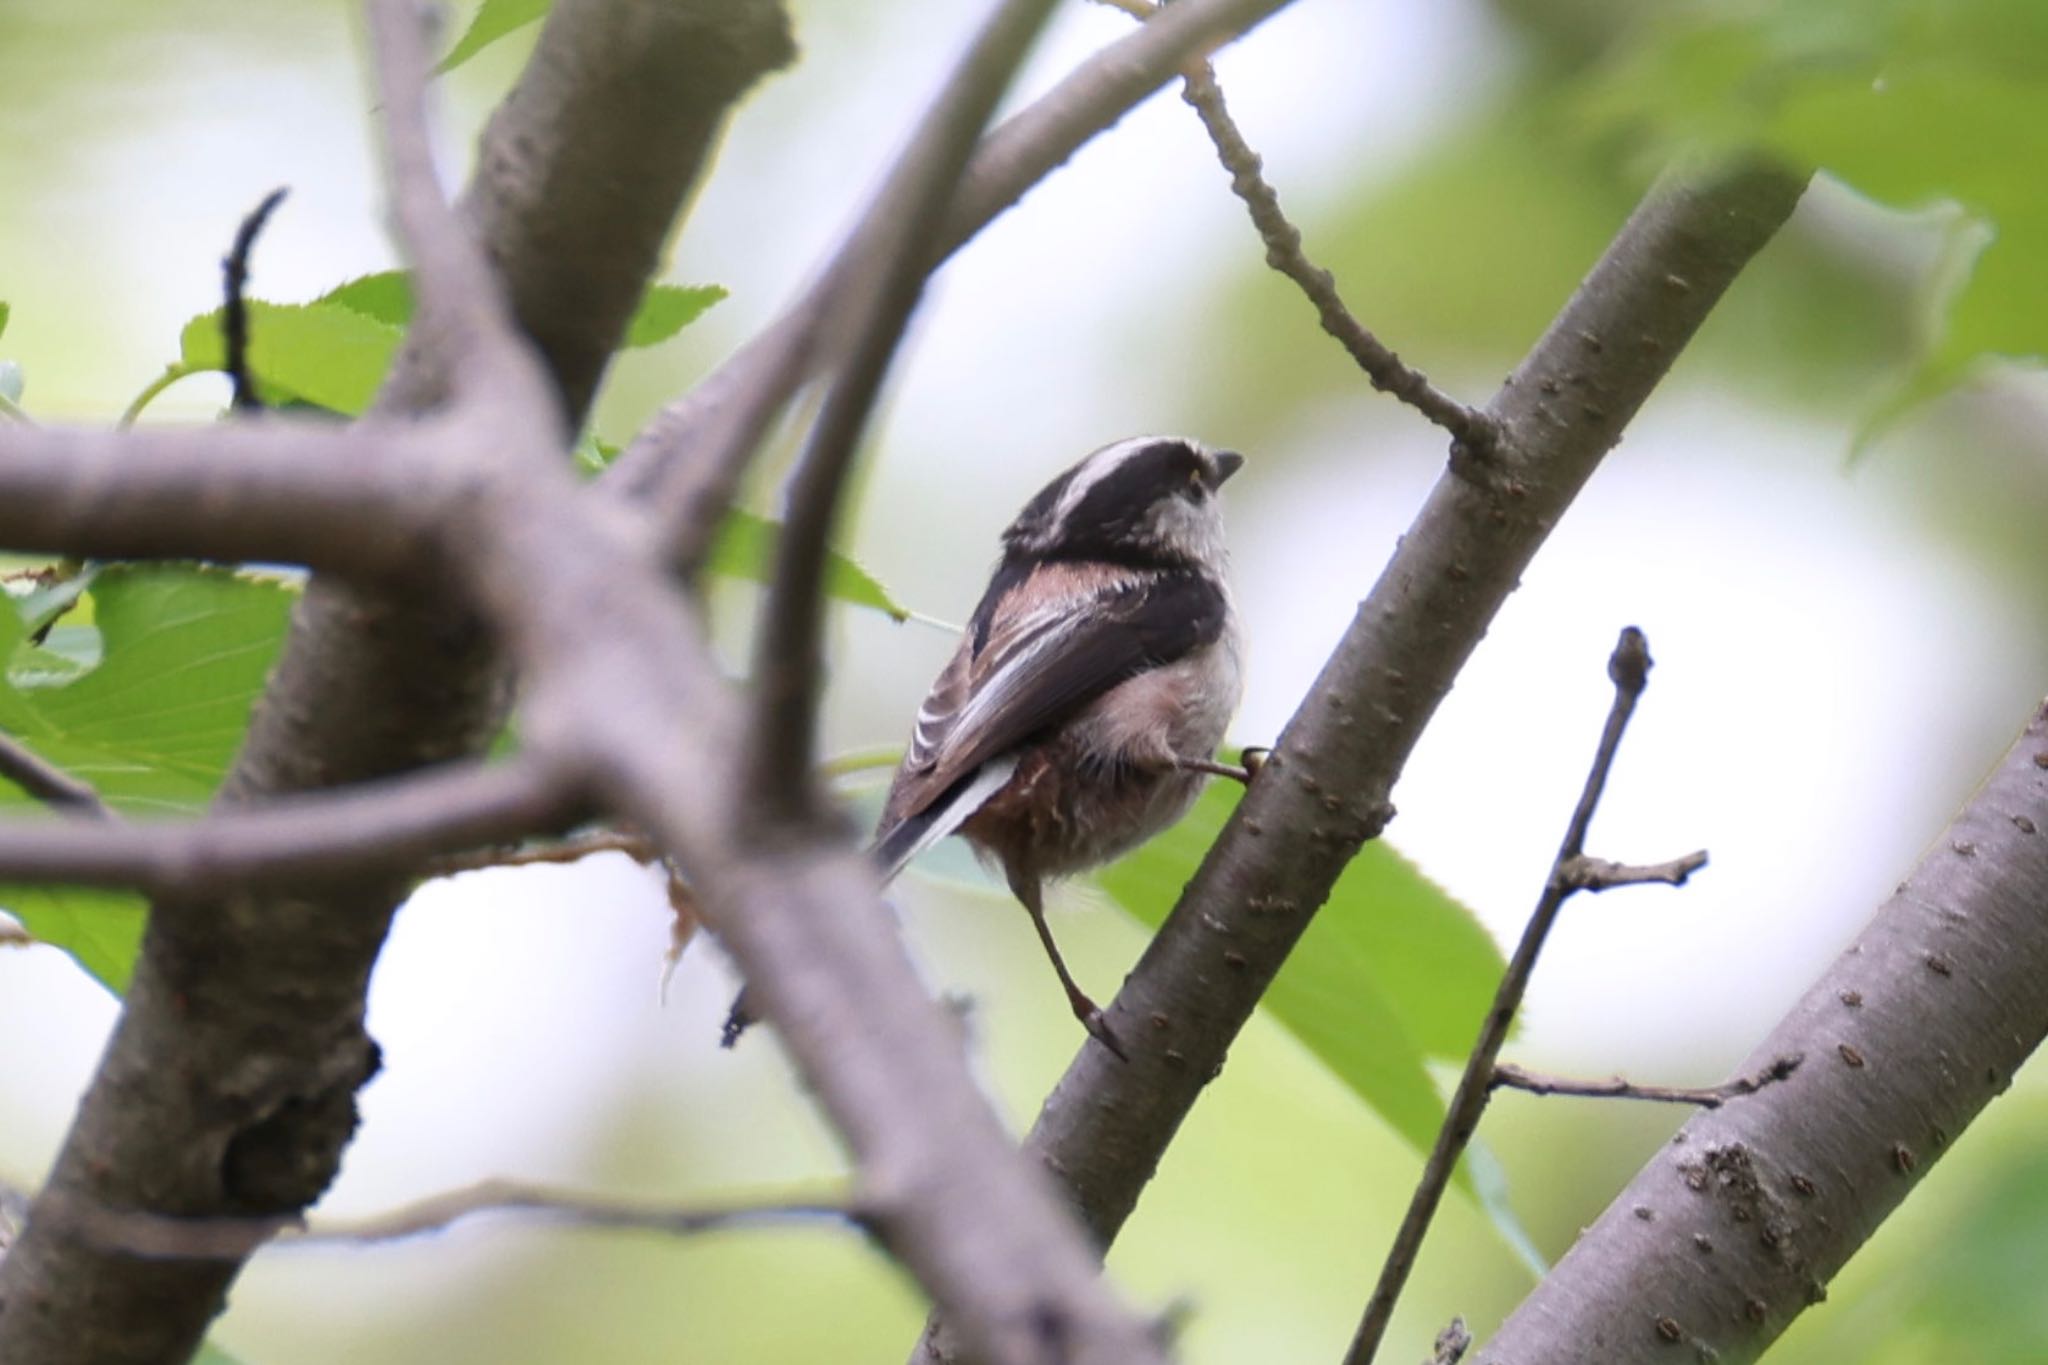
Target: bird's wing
x,y
1042,647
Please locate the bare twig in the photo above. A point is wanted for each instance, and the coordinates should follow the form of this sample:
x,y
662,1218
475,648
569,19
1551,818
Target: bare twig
x,y
47,782
1451,1344
234,317
884,261
212,1239
1470,427
1598,874
1513,1077
687,463
342,835
1629,667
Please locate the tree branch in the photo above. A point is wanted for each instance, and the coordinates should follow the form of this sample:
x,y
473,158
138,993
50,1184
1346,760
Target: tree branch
x,y
1736,1226
1506,1075
883,262
264,489
303,842
228,1087
1285,253
231,1239
1325,788
46,782
1629,667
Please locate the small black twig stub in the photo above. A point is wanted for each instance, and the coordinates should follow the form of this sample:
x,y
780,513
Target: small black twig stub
x,y
234,317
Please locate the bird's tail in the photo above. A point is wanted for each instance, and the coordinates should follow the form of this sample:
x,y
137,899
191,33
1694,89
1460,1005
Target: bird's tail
x,y
893,851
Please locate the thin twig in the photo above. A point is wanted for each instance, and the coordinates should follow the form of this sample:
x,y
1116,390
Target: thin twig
x,y
885,261
1451,1344
1468,426
232,1239
338,835
1598,874
47,782
1629,667
1706,1097
234,313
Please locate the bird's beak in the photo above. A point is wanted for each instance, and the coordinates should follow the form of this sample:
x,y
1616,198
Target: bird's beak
x,y
1228,462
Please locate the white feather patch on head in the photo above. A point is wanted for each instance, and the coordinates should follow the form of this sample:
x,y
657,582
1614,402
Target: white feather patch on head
x,y
1101,465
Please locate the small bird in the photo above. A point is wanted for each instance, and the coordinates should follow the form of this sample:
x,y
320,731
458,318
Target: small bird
x,y
1084,706
1082,711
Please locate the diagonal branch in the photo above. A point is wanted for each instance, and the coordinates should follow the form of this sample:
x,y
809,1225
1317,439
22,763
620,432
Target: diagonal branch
x,y
1285,253
884,263
1325,789
44,781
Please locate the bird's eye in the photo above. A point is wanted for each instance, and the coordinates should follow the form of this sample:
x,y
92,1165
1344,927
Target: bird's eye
x,y
1198,487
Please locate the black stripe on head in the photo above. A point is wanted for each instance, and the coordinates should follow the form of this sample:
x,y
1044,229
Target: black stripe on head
x,y
1114,504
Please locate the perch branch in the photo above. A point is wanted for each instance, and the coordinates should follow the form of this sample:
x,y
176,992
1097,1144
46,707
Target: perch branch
x,y
1324,790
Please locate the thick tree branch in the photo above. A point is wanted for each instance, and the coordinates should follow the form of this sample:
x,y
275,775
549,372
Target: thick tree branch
x,y
1325,788
228,1087
1736,1226
269,489
300,841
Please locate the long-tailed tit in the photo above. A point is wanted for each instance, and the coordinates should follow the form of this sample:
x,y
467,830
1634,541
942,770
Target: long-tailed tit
x,y
1082,711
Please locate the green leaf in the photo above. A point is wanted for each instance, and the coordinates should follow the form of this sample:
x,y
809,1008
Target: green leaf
x,y
746,549
385,296
1390,973
1912,103
6,312
153,724
494,19
664,311
667,309
325,354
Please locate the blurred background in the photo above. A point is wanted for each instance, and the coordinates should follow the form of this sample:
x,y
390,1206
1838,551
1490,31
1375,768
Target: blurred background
x,y
1844,646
